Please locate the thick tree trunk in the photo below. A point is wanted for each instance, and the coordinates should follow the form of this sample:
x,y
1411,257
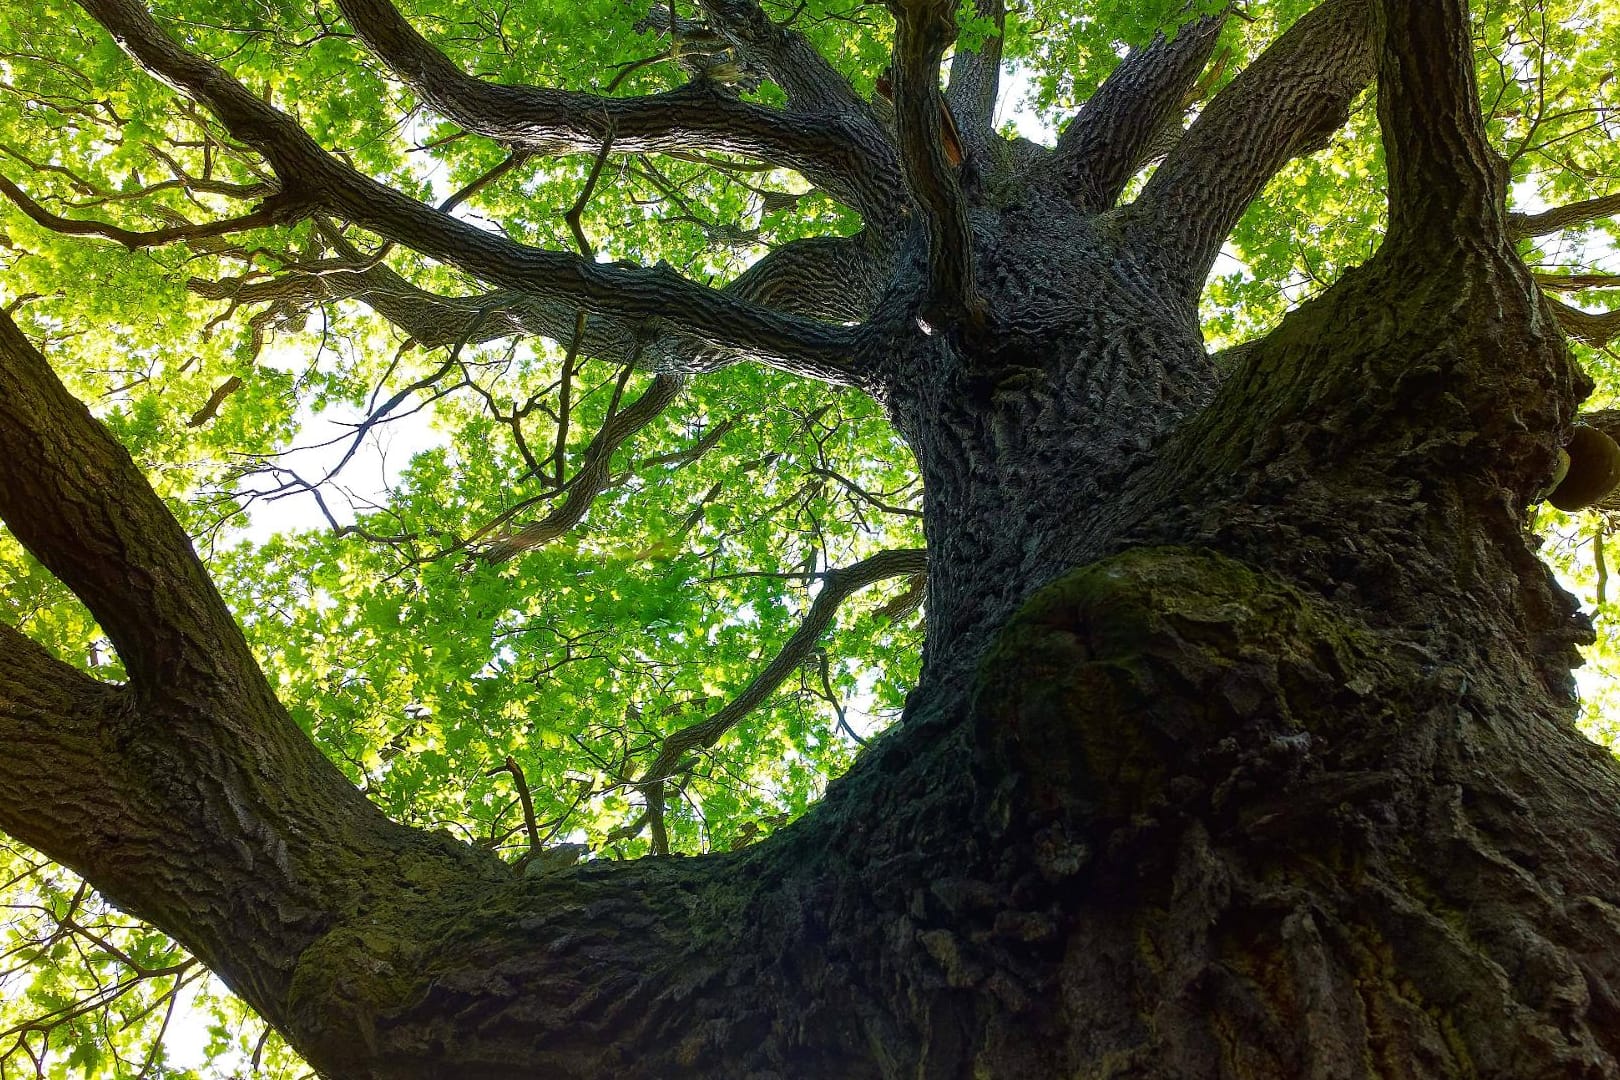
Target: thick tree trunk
x,y
1243,746
1243,751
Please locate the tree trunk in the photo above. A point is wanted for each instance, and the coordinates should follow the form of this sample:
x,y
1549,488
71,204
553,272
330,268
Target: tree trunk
x,y
1244,742
1243,751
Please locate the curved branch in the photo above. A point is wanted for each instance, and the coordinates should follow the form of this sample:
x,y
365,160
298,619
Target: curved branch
x,y
1115,132
593,475
698,116
1285,104
1592,328
273,211
71,493
837,586
923,30
1444,179
650,297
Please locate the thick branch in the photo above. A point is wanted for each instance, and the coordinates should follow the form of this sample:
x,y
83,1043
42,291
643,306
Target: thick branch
x,y
696,117
1111,137
648,296
1287,103
833,277
923,30
811,84
192,788
53,722
975,81
1593,328
73,496
1444,181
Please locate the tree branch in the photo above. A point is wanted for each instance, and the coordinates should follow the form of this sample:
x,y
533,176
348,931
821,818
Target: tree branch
x,y
975,80
191,788
1562,217
831,277
696,117
1444,180
647,296
593,475
1102,147
1287,103
837,586
1596,329
273,211
70,492
923,30
55,721
811,84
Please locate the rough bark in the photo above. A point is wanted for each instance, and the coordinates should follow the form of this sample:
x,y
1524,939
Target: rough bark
x,y
1244,746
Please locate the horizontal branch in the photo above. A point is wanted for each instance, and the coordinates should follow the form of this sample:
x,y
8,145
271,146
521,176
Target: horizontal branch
x,y
1562,217
1572,282
699,116
1592,328
272,211
830,277
652,297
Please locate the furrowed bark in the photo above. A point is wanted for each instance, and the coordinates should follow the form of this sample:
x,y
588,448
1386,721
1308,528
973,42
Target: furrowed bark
x,y
1443,182
974,83
811,84
1101,148
160,610
1287,103
923,30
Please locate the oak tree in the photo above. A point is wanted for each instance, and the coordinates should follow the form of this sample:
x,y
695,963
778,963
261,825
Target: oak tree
x,y
1168,484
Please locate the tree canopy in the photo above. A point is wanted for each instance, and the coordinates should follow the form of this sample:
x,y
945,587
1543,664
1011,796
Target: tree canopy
x,y
492,355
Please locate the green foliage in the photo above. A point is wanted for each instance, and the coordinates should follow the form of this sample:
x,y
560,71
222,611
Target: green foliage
x,y
420,668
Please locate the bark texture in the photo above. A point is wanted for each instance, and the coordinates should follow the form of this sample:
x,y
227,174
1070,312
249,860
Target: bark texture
x,y
1244,744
